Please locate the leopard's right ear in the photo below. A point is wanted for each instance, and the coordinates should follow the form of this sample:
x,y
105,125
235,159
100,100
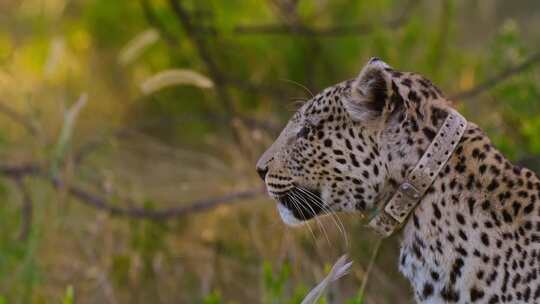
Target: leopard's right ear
x,y
370,91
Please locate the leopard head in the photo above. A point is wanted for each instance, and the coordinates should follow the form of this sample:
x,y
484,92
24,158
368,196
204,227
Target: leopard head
x,y
349,146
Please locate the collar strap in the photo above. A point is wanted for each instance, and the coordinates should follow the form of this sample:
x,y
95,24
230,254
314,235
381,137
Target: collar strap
x,y
412,190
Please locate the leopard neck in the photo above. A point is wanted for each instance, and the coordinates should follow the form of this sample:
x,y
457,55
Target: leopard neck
x,y
416,183
470,216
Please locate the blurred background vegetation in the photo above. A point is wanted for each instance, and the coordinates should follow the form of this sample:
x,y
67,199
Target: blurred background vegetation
x,y
129,132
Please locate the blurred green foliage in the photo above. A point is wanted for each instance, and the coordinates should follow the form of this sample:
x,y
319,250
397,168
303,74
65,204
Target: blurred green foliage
x,y
69,297
184,142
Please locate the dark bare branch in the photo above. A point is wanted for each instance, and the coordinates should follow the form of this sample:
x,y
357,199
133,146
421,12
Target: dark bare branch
x,y
222,79
163,214
204,53
154,21
301,30
27,209
495,80
338,30
17,172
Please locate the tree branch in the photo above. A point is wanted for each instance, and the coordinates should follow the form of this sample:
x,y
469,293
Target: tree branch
x,y
97,201
495,80
163,214
154,21
20,170
302,30
338,30
27,209
34,169
203,51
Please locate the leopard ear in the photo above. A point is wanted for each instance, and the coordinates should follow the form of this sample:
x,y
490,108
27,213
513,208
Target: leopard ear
x,y
369,91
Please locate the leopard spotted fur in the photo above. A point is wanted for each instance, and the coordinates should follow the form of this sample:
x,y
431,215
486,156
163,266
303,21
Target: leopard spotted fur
x,y
475,235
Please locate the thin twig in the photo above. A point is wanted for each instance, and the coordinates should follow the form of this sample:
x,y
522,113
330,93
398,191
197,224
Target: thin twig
x,y
285,29
27,209
338,30
495,80
18,118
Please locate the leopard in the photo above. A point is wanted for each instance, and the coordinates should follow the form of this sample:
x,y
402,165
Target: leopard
x,y
474,236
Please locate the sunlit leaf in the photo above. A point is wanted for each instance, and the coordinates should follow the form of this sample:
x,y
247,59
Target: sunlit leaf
x,y
169,78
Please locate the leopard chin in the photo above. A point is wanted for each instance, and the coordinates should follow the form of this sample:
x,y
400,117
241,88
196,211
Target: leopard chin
x,y
287,216
299,205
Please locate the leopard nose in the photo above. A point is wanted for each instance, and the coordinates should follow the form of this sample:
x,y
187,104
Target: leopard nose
x,y
262,172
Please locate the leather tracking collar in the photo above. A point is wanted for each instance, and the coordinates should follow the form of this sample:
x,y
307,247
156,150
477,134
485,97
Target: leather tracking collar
x,y
412,190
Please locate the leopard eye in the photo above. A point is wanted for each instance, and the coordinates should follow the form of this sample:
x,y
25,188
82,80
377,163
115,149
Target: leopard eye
x,y
303,133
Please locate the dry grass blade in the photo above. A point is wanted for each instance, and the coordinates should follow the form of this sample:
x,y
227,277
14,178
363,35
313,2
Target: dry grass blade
x,y
340,268
136,46
70,117
370,267
57,50
175,77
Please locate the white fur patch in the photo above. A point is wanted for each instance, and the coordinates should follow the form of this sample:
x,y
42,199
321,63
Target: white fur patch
x,y
287,216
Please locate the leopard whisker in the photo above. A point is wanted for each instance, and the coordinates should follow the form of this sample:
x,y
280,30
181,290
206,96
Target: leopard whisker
x,y
321,225
324,206
300,85
297,207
